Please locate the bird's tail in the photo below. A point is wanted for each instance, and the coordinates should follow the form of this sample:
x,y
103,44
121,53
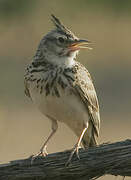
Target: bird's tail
x,y
89,142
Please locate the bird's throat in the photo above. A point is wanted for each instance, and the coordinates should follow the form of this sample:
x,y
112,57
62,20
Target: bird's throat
x,y
70,58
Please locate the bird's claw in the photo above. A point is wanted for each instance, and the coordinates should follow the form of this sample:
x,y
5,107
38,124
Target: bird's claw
x,y
75,150
43,153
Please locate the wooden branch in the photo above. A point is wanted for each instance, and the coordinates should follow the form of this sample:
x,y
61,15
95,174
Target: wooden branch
x,y
114,159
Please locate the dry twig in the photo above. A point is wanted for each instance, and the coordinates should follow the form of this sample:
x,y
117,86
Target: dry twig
x,y
114,159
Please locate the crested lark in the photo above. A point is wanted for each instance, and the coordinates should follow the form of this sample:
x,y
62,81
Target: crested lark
x,y
62,88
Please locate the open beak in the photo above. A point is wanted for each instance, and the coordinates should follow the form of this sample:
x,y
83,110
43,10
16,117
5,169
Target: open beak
x,y
80,44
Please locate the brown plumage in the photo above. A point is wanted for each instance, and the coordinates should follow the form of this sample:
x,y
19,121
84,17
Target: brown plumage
x,y
86,91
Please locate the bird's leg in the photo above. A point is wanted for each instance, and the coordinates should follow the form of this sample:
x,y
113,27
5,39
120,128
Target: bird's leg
x,y
77,146
43,151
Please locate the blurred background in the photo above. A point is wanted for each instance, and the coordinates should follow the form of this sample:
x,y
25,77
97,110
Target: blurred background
x,y
23,23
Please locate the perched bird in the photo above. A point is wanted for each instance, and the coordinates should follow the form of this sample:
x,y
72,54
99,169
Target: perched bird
x,y
62,88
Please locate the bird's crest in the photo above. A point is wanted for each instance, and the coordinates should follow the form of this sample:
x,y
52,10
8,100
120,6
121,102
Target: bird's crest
x,y
59,25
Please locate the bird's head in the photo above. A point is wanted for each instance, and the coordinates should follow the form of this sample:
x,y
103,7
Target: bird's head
x,y
60,46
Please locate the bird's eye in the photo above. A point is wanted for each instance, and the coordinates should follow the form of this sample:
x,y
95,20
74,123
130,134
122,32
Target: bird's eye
x,y
61,40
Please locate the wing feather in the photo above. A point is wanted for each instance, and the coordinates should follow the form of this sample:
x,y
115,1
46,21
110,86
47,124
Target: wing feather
x,y
27,92
85,88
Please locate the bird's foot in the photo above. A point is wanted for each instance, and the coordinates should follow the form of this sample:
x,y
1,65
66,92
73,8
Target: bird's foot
x,y
75,150
42,153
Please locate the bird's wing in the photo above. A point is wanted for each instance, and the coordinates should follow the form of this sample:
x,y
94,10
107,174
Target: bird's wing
x,y
27,92
85,88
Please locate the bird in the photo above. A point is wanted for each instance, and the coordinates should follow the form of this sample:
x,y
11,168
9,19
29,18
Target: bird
x,y
62,88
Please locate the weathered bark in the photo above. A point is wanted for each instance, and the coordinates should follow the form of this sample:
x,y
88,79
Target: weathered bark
x,y
114,159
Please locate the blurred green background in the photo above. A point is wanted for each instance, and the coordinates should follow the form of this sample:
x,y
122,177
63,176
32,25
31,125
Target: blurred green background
x,y
22,24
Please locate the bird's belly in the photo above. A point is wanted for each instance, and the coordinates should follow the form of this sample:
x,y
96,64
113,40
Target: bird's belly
x,y
67,108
